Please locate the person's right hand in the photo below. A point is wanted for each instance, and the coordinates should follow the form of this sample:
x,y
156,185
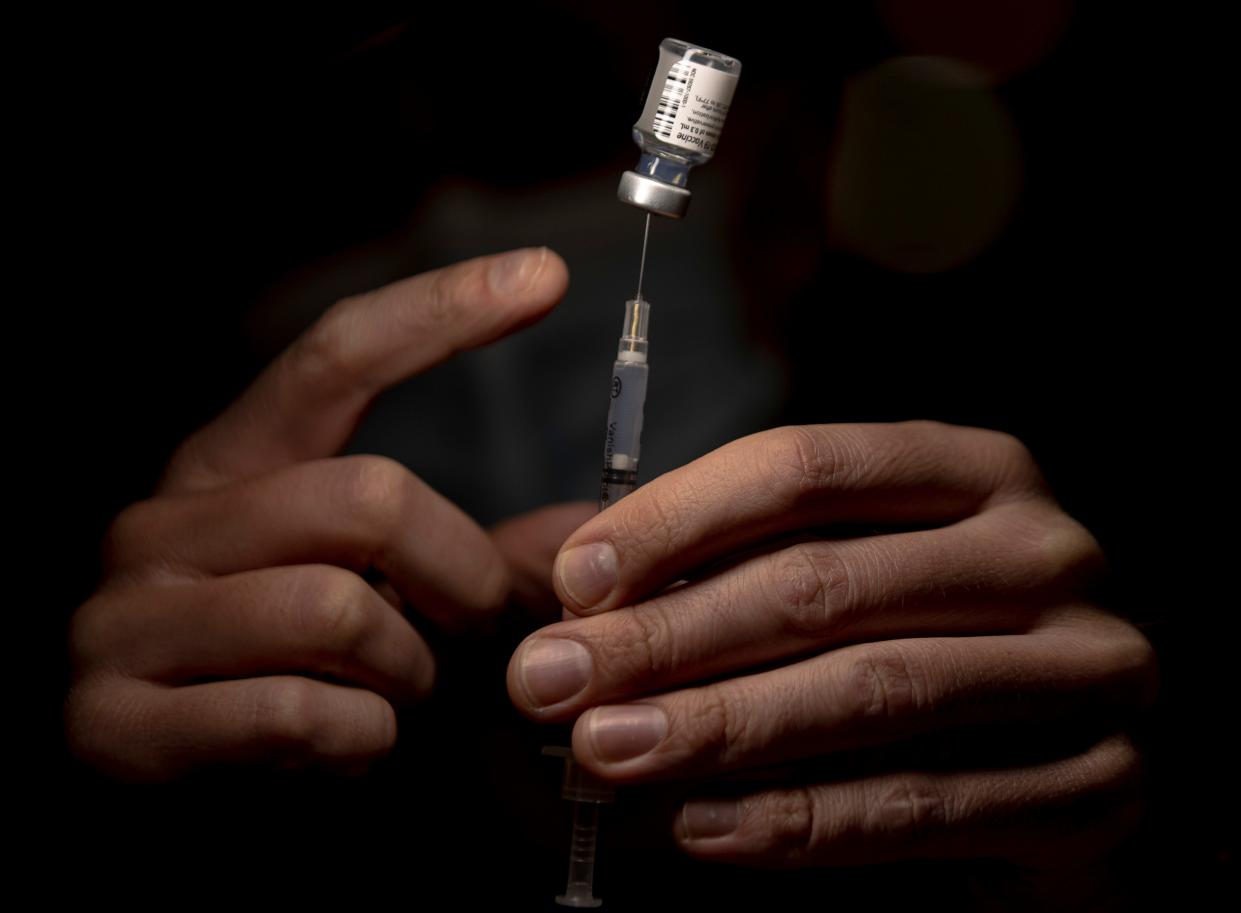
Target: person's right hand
x,y
232,596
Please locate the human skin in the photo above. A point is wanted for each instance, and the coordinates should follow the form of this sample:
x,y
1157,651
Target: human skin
x,y
848,587
808,593
233,623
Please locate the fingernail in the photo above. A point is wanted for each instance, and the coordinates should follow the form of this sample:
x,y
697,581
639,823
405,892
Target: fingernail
x,y
553,669
515,272
705,818
625,732
588,573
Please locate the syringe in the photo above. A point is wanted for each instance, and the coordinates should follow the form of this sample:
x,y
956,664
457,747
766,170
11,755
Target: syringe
x,y
678,129
629,374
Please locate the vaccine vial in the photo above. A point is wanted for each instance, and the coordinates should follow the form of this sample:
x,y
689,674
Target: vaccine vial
x,y
679,126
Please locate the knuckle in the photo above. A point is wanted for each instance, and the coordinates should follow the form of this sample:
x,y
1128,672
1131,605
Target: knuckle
x,y
1068,550
652,524
439,297
1013,464
811,586
804,460
1124,662
724,730
1122,762
1112,771
903,449
439,300
286,714
997,459
929,427
378,487
791,821
323,355
884,684
916,439
1135,664
908,808
1102,795
1123,768
331,609
1009,446
644,639
1050,549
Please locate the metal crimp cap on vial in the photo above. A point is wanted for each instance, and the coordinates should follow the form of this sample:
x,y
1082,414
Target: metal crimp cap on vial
x,y
652,195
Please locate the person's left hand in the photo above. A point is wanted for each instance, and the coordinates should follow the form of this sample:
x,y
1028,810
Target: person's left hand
x,y
909,594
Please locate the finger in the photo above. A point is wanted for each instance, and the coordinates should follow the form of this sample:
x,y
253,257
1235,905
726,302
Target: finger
x,y
869,694
317,619
359,512
140,731
993,573
780,481
1059,809
309,400
529,544
387,592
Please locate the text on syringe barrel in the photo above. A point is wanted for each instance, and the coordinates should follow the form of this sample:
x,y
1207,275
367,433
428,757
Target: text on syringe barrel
x,y
624,434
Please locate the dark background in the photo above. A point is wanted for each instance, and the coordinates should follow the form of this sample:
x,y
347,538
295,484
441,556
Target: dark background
x,y
197,163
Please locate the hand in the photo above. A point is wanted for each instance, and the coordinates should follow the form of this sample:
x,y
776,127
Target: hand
x,y
906,594
233,623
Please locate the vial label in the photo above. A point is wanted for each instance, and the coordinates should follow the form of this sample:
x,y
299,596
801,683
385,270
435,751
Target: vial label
x,y
687,103
670,101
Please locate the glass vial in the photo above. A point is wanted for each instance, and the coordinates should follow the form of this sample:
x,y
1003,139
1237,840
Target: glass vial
x,y
679,126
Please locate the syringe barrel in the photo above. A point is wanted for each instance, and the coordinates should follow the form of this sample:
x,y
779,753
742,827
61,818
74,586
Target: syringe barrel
x,y
623,442
624,436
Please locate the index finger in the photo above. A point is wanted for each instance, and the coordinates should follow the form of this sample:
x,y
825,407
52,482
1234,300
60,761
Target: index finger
x,y
779,482
307,402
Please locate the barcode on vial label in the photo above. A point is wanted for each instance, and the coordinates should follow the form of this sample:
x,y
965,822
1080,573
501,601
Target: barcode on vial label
x,y
673,97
